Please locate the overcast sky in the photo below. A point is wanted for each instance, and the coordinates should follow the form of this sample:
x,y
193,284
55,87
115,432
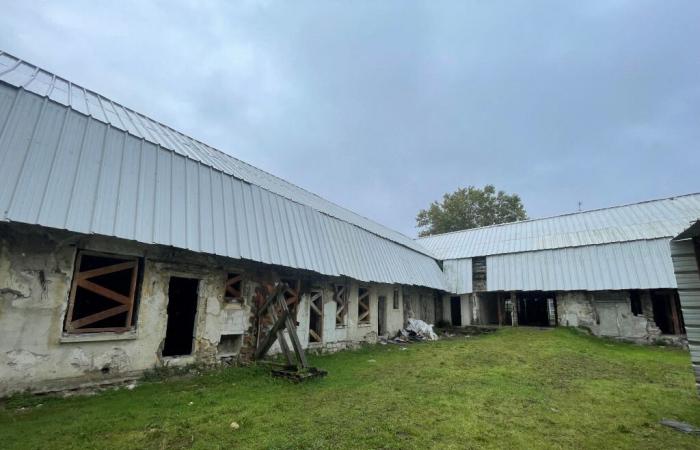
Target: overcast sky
x,y
382,107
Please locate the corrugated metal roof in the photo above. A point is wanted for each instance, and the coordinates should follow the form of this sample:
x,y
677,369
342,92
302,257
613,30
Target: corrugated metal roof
x,y
622,265
686,258
73,160
648,220
19,73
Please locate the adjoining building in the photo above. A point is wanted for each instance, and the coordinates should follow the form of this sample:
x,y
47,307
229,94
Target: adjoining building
x,y
126,245
685,249
607,270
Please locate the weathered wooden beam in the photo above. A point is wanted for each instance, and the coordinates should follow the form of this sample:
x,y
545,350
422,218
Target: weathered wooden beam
x,y
292,331
272,335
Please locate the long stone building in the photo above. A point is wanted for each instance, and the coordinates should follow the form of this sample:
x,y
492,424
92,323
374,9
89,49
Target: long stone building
x,y
126,245
608,270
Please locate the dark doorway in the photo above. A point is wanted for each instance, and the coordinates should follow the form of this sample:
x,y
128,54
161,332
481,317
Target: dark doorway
x,y
456,311
182,309
437,307
666,306
381,313
537,309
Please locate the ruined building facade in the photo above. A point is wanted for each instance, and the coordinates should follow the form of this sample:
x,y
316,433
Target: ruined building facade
x,y
126,245
609,271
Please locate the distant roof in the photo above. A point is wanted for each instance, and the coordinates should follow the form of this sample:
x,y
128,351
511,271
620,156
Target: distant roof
x,y
653,219
73,159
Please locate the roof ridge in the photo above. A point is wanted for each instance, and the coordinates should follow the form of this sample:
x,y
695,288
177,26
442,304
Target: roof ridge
x,y
560,215
409,242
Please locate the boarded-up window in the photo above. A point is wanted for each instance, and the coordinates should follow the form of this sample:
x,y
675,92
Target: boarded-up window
x,y
316,316
363,306
341,304
233,292
103,293
396,299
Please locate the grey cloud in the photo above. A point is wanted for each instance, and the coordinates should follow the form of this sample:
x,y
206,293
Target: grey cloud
x,y
384,106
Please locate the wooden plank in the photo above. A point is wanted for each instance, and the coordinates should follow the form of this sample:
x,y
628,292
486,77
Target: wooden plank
x,y
73,290
100,330
266,305
106,270
314,335
132,295
282,340
674,314
92,318
272,335
292,330
104,292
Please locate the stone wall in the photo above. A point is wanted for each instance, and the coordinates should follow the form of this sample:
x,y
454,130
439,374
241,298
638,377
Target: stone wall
x,y
607,313
36,270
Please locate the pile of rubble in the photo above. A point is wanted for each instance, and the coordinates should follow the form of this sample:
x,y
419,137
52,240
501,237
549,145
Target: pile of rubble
x,y
415,331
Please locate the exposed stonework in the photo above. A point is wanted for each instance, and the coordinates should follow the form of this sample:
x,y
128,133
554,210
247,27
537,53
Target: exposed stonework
x,y
608,313
36,269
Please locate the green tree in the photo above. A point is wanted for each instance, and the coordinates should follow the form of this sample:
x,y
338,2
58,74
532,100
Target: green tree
x,y
470,207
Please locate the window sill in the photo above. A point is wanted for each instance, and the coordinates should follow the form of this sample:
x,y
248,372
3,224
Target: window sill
x,y
99,337
364,325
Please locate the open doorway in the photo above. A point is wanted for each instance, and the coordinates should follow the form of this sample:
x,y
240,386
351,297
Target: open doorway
x,y
537,309
667,312
381,315
182,310
456,311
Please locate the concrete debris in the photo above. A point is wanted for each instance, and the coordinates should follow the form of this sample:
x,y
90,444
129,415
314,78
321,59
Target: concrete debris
x,y
680,426
421,330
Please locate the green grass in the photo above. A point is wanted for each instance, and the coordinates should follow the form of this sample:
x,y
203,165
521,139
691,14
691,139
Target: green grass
x,y
519,388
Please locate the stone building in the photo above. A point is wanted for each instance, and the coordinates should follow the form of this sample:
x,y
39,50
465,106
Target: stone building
x,y
126,245
607,270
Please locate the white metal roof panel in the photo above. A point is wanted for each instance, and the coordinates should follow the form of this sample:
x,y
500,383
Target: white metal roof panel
x,y
644,264
62,169
18,73
647,220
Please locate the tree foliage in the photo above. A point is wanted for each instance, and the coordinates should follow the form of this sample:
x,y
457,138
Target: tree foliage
x,y
470,207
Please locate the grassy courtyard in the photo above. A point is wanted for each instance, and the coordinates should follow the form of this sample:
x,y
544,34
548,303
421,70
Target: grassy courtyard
x,y
519,388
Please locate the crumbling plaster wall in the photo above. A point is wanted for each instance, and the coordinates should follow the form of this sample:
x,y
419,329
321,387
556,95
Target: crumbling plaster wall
x,y
394,316
36,268
607,313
